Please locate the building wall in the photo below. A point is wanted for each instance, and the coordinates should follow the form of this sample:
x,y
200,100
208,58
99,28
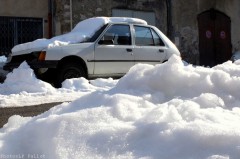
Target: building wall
x,y
26,8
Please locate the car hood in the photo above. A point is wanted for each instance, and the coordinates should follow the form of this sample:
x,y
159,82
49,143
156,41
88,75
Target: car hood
x,y
27,51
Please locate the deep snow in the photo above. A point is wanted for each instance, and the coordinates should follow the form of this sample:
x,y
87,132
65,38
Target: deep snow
x,y
168,111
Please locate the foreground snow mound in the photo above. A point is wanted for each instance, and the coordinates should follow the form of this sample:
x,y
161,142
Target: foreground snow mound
x,y
102,125
81,32
168,111
23,79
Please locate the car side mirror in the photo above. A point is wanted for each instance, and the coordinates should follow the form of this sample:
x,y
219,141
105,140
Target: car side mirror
x,y
105,42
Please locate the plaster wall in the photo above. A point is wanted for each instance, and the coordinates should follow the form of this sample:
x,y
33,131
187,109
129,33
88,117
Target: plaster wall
x,y
26,8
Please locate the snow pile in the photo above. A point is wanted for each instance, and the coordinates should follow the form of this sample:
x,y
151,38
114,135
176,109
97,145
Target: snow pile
x,y
3,73
174,80
3,59
81,32
23,79
168,111
21,85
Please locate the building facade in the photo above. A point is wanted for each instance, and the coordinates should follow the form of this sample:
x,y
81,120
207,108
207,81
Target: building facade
x,y
206,32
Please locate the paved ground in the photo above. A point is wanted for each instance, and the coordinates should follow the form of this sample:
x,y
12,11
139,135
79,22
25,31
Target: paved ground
x,y
5,113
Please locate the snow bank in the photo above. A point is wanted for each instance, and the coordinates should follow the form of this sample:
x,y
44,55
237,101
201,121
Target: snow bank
x,y
21,85
3,59
174,80
3,73
168,111
81,32
23,79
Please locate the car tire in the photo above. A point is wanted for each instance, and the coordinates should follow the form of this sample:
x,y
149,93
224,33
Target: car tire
x,y
68,71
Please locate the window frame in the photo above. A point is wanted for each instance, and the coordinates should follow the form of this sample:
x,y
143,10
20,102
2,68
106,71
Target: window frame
x,y
152,30
120,24
135,35
161,41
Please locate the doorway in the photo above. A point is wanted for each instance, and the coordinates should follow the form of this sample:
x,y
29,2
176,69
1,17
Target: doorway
x,y
214,37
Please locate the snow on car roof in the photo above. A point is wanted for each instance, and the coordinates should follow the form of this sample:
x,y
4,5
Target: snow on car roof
x,y
79,33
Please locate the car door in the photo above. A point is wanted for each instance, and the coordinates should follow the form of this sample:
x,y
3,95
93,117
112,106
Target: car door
x,y
114,51
149,47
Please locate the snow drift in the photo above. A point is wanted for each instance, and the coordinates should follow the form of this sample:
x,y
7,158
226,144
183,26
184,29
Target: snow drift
x,y
166,111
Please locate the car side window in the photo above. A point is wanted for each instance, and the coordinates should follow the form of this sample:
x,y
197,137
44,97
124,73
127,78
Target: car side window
x,y
157,40
119,35
143,36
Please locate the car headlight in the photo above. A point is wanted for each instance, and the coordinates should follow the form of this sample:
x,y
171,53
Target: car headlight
x,y
42,56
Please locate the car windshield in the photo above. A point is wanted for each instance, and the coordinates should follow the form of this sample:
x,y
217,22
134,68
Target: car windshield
x,y
95,35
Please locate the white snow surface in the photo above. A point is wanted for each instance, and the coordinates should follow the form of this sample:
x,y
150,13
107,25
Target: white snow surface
x,y
167,111
82,31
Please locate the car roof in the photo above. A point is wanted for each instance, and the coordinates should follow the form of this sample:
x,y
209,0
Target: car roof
x,y
126,20
127,23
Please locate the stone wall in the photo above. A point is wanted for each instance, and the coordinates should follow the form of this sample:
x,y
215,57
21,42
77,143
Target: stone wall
x,y
62,17
83,9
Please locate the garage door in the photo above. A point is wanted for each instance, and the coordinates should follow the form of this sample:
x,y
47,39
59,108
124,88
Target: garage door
x,y
147,16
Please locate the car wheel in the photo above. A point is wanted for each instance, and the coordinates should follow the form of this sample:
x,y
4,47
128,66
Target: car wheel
x,y
68,71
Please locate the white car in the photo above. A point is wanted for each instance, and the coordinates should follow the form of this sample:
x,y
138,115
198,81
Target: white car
x,y
109,52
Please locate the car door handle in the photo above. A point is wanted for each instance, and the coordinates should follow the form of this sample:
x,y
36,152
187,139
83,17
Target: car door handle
x,y
129,50
160,50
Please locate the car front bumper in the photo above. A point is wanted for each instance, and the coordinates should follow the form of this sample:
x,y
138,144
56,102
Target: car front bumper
x,y
33,64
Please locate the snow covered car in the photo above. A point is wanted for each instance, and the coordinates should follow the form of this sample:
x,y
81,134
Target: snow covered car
x,y
96,47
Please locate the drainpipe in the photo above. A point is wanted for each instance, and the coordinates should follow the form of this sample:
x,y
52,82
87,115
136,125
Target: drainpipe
x,y
50,18
169,18
71,18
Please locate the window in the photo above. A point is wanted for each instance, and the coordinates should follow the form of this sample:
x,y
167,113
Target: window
x,y
119,34
143,36
97,34
157,40
17,30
